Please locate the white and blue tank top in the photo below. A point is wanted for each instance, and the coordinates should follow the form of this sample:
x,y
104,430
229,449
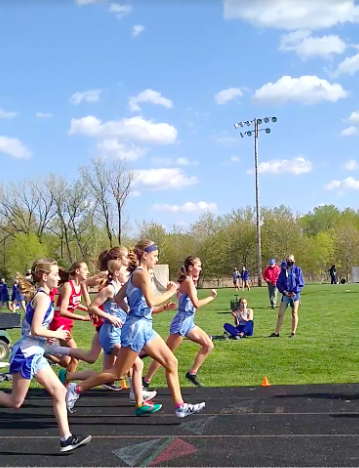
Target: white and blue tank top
x,y
136,301
29,317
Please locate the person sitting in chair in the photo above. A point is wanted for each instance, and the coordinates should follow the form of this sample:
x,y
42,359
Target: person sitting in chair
x,y
243,321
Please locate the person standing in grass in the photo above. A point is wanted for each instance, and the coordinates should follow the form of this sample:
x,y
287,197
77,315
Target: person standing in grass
x,y
245,279
183,322
17,298
236,276
290,284
4,295
270,275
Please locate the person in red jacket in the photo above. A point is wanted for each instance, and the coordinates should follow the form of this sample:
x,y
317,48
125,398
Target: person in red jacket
x,y
270,275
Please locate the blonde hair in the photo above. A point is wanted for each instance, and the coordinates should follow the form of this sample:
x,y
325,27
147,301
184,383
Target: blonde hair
x,y
39,267
135,254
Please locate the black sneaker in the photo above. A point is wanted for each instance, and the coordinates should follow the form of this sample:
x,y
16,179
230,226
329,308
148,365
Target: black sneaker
x,y
145,384
273,335
292,335
193,379
74,442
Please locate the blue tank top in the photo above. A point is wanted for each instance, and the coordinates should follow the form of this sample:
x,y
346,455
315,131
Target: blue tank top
x,y
29,316
111,308
185,305
136,301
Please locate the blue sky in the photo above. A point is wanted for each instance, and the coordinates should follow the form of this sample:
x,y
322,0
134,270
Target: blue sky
x,y
162,83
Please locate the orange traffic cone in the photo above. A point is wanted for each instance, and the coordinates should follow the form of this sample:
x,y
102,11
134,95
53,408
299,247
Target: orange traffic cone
x,y
265,382
124,384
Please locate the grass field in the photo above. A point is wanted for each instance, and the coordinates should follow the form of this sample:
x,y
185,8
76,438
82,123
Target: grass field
x,y
325,350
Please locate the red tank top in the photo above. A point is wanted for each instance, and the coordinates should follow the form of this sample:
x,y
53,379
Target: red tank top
x,y
74,301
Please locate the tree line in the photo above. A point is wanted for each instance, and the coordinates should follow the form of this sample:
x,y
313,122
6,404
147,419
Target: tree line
x,y
71,219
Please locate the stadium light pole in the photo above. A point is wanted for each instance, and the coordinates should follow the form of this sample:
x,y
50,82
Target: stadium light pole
x,y
255,132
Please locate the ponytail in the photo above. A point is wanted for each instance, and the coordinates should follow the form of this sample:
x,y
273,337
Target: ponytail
x,y
66,275
39,268
135,254
190,261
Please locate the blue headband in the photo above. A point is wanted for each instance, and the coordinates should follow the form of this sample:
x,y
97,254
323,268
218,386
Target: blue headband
x,y
151,248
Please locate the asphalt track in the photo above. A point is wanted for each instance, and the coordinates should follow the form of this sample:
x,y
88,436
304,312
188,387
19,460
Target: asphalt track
x,y
302,426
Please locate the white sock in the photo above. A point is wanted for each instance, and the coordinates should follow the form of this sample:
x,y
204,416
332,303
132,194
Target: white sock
x,y
64,439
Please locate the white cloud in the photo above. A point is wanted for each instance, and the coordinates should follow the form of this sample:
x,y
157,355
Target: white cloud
x,y
43,115
354,117
137,30
234,159
7,115
86,96
348,66
295,166
14,147
334,184
346,184
307,46
120,10
120,150
305,90
350,131
162,161
162,179
289,15
149,96
134,128
135,193
227,95
351,165
186,162
188,207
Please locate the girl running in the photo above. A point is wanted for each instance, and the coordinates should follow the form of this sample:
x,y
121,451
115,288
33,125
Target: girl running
x,y
27,355
72,286
183,323
17,299
137,333
4,295
93,354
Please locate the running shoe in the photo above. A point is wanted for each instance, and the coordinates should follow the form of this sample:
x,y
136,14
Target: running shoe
x,y
62,376
193,379
74,442
187,409
147,408
115,386
71,397
146,395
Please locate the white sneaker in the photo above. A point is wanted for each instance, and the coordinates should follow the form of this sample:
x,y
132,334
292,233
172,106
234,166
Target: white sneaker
x,y
187,409
115,387
71,396
146,395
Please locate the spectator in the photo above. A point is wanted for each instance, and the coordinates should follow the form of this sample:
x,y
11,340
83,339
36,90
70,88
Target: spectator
x,y
333,275
4,295
290,284
270,275
236,277
243,321
245,279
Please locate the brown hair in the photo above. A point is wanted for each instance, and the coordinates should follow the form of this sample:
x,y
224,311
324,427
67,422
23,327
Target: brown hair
x,y
65,275
190,261
135,254
114,253
39,268
112,265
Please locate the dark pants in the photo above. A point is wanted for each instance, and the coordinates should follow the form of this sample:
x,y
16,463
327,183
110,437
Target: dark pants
x,y
333,279
247,328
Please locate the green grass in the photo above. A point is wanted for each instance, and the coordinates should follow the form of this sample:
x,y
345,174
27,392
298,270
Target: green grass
x,y
326,348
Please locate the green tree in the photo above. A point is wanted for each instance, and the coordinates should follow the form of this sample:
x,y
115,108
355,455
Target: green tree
x,y
22,250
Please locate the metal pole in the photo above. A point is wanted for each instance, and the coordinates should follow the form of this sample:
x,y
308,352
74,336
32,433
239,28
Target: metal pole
x,y
258,215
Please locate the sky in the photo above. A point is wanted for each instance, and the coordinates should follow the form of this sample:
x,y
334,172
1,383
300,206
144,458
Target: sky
x,y
161,84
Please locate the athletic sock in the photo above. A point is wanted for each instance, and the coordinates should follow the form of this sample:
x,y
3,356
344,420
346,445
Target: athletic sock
x,y
64,439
